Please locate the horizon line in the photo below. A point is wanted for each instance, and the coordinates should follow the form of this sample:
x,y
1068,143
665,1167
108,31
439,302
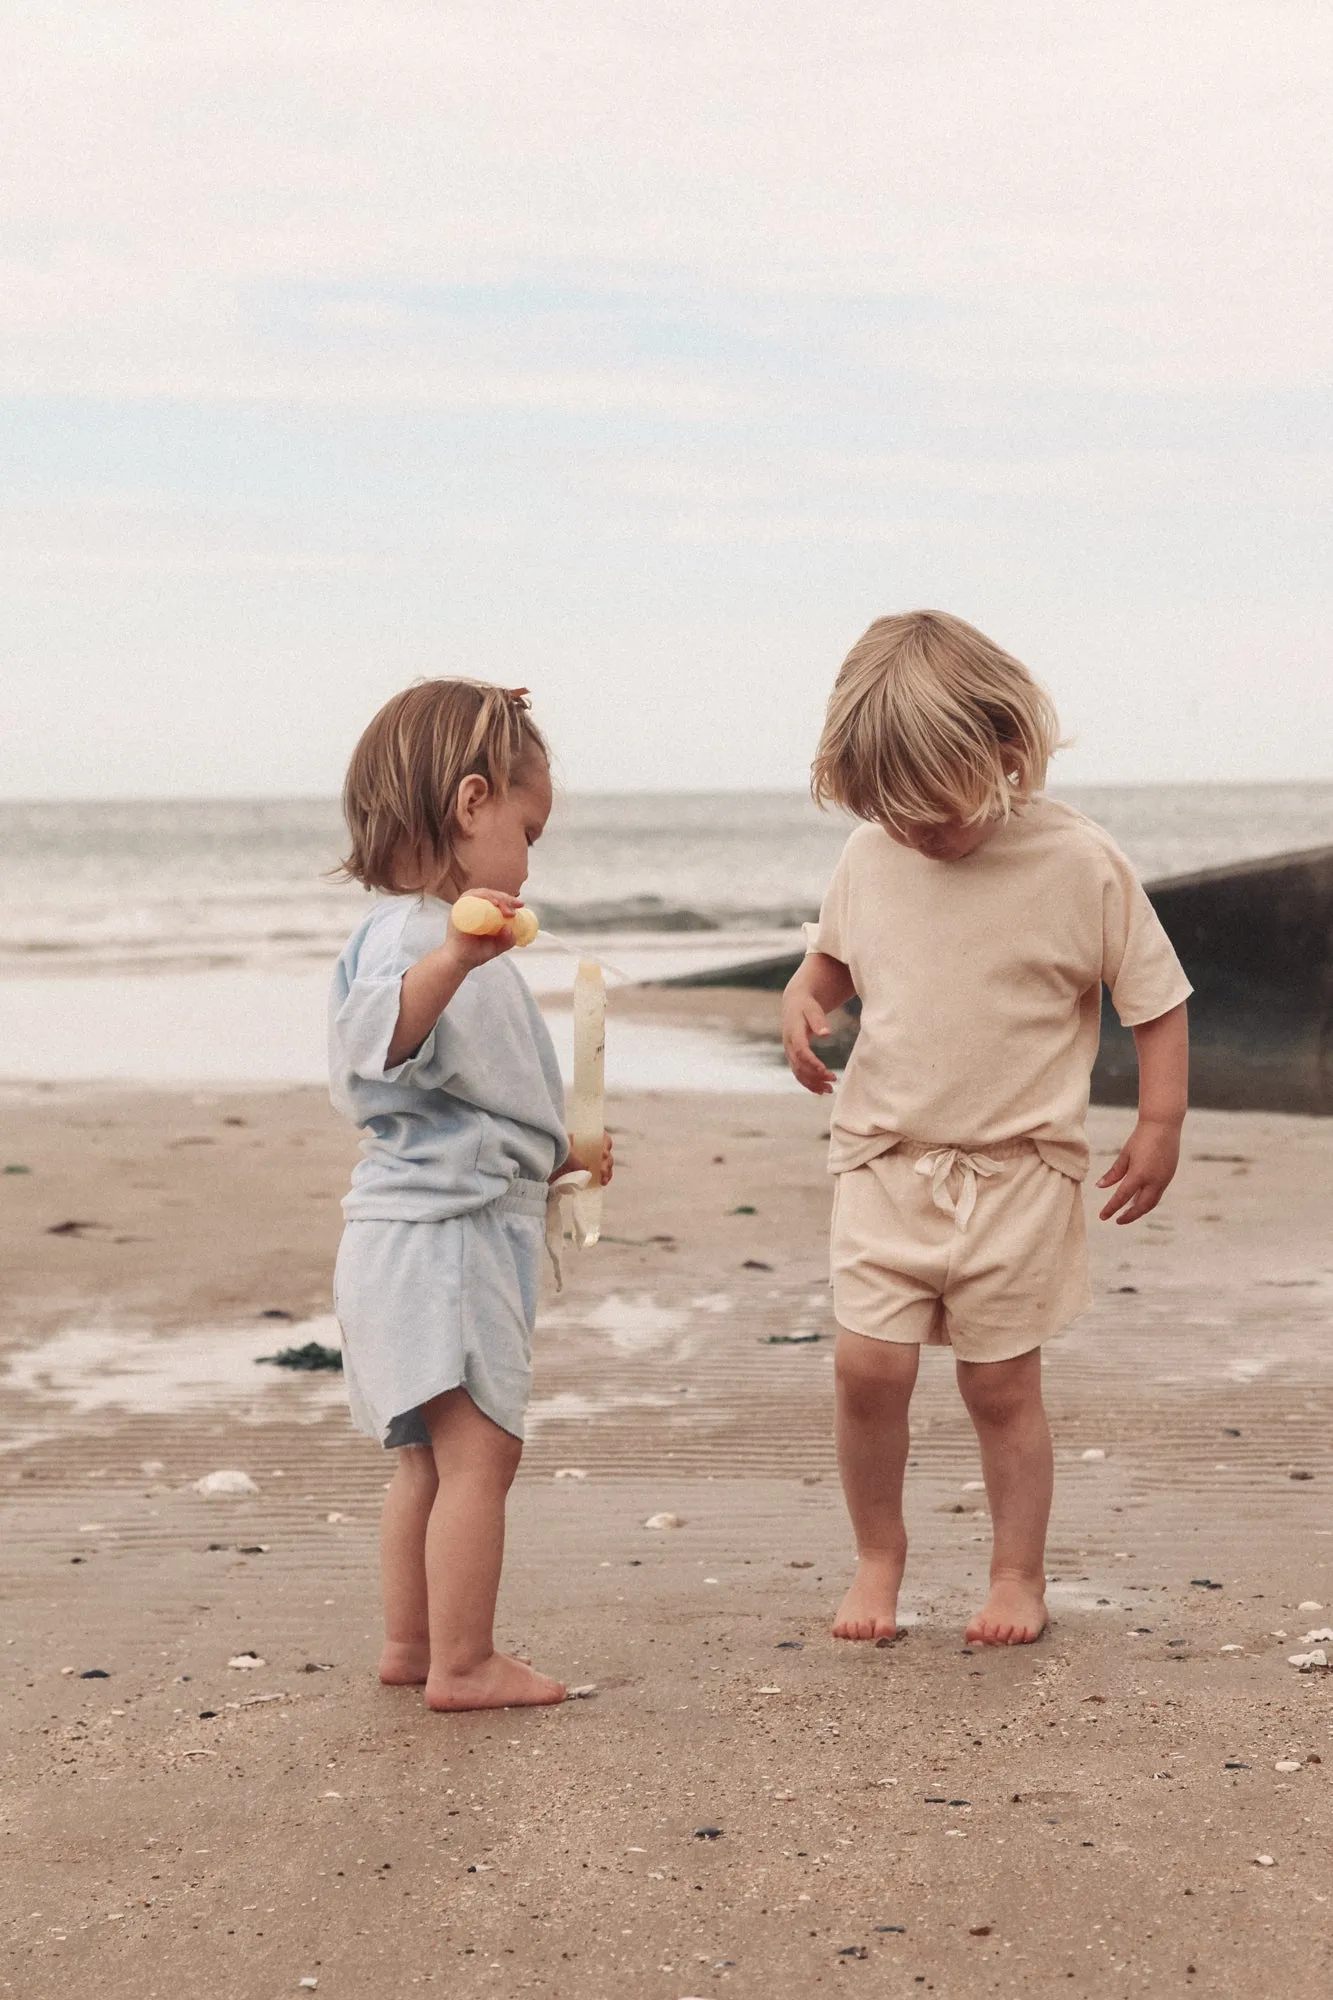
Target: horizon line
x,y
639,791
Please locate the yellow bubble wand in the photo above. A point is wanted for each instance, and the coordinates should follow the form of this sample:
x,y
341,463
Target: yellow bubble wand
x,y
475,916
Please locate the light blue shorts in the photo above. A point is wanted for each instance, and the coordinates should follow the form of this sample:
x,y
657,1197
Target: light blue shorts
x,y
429,1306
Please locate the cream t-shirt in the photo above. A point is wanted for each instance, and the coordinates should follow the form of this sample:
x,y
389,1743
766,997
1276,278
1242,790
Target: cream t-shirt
x,y
980,984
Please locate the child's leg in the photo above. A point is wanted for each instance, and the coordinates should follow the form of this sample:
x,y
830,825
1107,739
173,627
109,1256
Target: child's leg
x,y
875,1379
1004,1401
475,1463
405,1660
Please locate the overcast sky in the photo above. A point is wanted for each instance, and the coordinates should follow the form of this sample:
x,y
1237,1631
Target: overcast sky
x,y
642,353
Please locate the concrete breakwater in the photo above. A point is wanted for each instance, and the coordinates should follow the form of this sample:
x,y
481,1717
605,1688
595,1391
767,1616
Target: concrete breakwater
x,y
1256,940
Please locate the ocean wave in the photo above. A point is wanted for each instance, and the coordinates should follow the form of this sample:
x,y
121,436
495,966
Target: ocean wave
x,y
117,886
655,913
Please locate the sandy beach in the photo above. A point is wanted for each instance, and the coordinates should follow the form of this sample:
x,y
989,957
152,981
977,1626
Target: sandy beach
x,y
743,1806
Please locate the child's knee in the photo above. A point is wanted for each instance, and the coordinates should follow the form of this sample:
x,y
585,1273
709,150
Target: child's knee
x,y
873,1375
1001,1392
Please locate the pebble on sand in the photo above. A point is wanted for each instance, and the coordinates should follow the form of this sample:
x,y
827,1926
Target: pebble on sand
x,y
1323,1637
665,1521
227,1483
1287,1764
1310,1604
1092,1456
1264,1861
243,1661
569,1472
1306,1663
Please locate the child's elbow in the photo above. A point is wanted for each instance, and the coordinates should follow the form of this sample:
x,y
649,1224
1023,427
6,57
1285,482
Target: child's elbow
x,y
1173,1022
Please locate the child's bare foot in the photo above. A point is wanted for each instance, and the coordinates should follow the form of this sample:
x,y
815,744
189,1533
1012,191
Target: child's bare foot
x,y
1014,1614
870,1608
403,1665
498,1682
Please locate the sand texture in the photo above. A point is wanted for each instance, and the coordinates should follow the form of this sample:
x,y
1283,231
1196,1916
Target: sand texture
x,y
744,1806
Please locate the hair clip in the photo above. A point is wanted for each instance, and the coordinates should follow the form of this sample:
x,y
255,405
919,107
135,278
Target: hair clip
x,y
516,697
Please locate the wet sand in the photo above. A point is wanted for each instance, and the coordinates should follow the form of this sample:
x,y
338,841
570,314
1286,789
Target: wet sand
x,y
744,1806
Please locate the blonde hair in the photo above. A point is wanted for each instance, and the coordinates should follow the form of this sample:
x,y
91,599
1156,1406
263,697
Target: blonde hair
x,y
930,721
401,789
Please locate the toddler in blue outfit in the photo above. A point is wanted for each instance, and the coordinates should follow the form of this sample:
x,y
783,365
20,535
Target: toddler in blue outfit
x,y
438,1052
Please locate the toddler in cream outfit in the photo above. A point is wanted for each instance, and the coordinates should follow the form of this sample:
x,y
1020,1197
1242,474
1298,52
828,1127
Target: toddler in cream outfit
x,y
977,921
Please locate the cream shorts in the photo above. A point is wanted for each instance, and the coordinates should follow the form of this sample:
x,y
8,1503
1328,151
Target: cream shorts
x,y
983,1250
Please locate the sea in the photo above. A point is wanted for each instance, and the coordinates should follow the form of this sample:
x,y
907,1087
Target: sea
x,y
190,941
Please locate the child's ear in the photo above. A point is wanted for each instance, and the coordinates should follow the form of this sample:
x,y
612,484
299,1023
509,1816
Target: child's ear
x,y
471,796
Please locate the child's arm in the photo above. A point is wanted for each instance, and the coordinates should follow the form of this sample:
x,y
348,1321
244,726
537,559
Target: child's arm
x,y
430,984
819,984
1148,1158
600,1168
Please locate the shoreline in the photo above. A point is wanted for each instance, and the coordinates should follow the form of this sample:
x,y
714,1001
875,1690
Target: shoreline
x,y
240,1030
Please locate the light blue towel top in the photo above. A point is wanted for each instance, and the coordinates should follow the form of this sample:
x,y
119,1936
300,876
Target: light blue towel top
x,y
479,1105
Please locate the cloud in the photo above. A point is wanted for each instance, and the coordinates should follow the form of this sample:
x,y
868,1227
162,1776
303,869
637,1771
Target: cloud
x,y
1132,196
658,346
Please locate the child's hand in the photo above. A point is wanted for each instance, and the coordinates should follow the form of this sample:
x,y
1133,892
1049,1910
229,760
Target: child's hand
x,y
600,1168
1143,1171
802,1019
471,951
